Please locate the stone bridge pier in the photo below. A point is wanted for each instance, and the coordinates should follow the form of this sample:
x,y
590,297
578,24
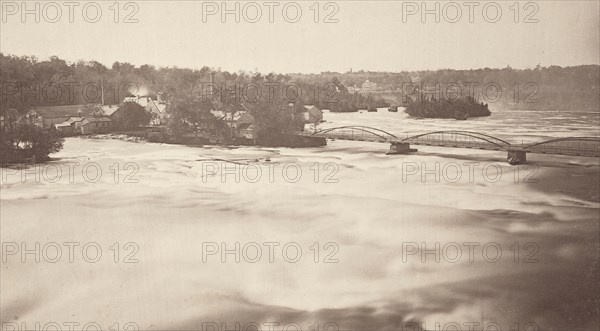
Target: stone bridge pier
x,y
400,148
516,157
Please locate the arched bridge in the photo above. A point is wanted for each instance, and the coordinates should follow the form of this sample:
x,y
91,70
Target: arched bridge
x,y
575,146
361,133
460,139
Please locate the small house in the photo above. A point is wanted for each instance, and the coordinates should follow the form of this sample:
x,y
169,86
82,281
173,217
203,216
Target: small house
x,y
312,114
64,129
48,116
368,87
108,110
92,125
157,107
241,123
71,126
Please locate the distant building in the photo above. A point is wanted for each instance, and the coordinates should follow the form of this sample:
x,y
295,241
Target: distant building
x,y
368,87
242,123
312,114
353,89
92,125
72,126
48,116
109,109
64,129
115,114
156,107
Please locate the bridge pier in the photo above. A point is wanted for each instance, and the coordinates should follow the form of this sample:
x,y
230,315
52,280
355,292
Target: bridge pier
x,y
516,157
400,148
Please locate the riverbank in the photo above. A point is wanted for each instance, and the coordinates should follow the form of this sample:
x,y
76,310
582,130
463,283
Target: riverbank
x,y
117,136
295,141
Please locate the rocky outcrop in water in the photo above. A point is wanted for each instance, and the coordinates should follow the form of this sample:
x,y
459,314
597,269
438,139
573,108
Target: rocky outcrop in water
x,y
460,109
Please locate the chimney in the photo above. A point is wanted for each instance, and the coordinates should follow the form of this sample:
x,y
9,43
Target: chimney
x,y
159,97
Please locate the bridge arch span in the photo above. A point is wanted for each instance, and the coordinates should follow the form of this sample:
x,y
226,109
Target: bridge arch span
x,y
467,134
366,129
582,146
563,141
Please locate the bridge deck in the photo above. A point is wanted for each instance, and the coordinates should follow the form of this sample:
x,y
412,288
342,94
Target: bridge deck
x,y
588,147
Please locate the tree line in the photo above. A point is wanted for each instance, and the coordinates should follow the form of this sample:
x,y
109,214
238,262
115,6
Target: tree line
x,y
573,88
275,100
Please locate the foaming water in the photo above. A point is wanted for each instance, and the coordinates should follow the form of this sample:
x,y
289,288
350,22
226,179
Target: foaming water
x,y
370,206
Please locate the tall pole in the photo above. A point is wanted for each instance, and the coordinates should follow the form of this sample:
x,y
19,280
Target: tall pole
x,y
211,85
102,89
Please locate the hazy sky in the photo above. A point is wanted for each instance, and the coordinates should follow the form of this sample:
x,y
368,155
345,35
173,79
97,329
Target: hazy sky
x,y
369,35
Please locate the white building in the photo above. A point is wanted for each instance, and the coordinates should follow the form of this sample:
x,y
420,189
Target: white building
x,y
368,87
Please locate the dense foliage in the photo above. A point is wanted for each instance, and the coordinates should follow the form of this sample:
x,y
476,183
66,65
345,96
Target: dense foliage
x,y
131,115
275,115
461,108
541,88
556,88
24,142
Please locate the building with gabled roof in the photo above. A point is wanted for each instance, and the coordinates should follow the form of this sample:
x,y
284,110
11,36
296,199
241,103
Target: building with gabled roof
x,y
70,127
241,123
108,110
156,107
48,116
98,124
312,114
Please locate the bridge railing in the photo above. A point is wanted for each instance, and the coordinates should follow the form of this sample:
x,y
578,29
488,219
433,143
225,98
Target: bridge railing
x,y
364,133
569,146
584,146
465,139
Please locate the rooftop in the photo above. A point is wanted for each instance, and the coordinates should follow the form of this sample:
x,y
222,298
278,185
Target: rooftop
x,y
97,119
74,119
239,116
309,107
60,111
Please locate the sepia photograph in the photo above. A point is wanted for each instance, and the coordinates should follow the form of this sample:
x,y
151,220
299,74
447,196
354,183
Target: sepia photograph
x,y
308,165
